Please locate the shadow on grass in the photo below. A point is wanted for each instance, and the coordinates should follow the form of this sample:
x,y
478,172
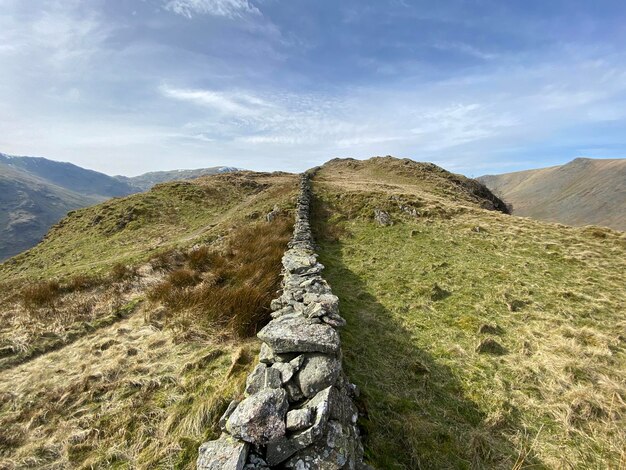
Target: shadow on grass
x,y
414,412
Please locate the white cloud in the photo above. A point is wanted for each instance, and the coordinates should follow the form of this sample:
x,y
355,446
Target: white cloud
x,y
232,103
226,8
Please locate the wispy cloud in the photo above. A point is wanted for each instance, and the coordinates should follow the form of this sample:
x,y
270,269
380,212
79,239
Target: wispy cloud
x,y
231,103
226,8
136,88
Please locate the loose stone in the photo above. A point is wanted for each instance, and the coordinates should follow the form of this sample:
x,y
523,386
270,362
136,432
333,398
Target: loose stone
x,y
298,420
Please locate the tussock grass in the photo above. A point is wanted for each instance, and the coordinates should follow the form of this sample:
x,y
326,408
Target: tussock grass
x,y
231,287
40,294
417,296
99,378
83,274
132,397
121,272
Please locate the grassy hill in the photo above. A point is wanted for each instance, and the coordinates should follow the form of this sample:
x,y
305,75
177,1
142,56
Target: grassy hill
x,y
126,332
478,339
582,192
36,193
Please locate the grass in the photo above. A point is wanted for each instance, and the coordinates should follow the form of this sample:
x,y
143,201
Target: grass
x,y
129,397
130,230
47,299
94,371
232,286
428,299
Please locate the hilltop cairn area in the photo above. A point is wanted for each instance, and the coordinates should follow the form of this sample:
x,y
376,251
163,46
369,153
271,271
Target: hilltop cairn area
x,y
298,410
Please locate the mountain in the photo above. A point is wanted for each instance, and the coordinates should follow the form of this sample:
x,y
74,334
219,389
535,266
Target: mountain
x,y
148,180
475,339
69,176
582,192
35,193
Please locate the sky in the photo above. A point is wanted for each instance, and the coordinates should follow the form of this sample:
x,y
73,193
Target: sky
x,y
476,86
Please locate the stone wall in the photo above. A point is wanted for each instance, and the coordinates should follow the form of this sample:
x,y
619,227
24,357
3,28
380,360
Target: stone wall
x,y
298,410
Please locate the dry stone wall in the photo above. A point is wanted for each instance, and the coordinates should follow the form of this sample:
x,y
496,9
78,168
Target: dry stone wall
x,y
298,411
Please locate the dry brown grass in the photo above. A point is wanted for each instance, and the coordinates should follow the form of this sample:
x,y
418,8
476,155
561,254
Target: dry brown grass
x,y
121,272
229,288
41,294
129,396
97,378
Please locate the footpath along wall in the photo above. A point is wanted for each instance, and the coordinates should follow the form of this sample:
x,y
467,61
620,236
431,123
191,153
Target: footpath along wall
x,y
298,410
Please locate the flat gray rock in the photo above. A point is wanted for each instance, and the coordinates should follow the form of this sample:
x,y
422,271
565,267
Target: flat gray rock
x,y
286,335
297,261
224,453
260,419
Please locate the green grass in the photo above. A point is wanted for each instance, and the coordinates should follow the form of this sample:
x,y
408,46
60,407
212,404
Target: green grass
x,y
94,372
415,295
132,229
129,397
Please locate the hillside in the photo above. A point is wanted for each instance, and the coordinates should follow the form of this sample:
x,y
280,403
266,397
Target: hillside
x,y
478,340
36,193
69,176
29,206
126,331
582,192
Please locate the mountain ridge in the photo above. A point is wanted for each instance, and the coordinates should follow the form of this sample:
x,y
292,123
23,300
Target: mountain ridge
x,y
37,192
467,333
584,191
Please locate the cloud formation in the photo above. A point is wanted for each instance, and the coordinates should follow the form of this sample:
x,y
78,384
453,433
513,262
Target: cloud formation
x,y
226,8
131,86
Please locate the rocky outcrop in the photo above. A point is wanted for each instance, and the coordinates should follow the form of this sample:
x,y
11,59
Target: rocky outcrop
x,y
298,411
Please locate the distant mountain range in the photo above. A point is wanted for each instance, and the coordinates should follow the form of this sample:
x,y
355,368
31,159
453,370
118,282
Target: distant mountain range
x,y
35,193
148,180
582,192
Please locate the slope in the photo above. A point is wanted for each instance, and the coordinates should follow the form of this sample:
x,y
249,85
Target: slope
x,y
70,176
35,193
29,205
126,332
582,192
478,340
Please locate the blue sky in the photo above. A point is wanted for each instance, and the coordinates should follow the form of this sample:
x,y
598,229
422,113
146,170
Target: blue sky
x,y
483,86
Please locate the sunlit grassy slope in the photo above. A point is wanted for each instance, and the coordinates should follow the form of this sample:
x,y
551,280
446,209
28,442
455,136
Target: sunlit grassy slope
x,y
124,334
130,229
423,297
